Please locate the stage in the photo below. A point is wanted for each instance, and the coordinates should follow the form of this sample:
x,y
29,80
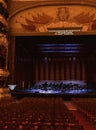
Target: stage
x,y
68,94
46,88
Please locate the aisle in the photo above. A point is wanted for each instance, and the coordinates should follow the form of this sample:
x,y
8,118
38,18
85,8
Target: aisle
x,y
70,106
82,121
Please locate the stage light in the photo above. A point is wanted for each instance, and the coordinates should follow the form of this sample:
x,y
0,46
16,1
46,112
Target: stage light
x,y
74,58
12,87
60,48
45,59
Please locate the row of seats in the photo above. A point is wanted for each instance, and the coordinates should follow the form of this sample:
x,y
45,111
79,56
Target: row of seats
x,y
37,114
87,107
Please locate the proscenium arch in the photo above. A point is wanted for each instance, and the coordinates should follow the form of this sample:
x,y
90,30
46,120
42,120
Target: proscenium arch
x,y
51,3
34,5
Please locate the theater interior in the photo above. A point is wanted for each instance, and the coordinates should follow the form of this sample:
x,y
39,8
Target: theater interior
x,y
47,65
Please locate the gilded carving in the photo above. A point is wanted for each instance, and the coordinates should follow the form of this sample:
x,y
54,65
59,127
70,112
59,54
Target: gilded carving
x,y
63,13
39,20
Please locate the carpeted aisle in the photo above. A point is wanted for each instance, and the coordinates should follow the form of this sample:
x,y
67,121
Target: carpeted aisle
x,y
82,121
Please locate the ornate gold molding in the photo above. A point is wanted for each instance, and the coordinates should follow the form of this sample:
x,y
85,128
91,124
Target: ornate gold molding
x,y
18,6
37,19
3,41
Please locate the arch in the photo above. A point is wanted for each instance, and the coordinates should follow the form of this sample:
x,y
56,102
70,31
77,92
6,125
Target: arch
x,y
90,3
36,23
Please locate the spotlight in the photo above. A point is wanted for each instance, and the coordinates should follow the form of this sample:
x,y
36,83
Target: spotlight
x,y
12,87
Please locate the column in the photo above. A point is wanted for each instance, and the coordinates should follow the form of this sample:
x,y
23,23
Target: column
x,y
83,71
57,70
49,68
62,69
39,69
67,69
72,70
46,69
42,69
12,59
36,70
78,70
52,69
60,63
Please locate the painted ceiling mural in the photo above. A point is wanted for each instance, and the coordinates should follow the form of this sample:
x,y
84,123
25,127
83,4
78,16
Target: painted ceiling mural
x,y
41,18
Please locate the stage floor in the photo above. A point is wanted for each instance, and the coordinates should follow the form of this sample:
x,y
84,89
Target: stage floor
x,y
50,91
28,92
